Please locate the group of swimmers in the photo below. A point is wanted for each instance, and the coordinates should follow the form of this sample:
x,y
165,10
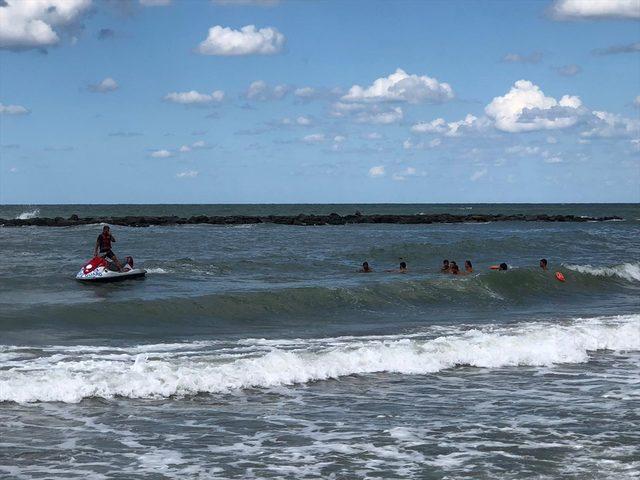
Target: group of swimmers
x,y
105,239
449,267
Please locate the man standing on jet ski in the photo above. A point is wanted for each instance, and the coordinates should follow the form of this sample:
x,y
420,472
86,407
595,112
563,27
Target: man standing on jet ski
x,y
103,244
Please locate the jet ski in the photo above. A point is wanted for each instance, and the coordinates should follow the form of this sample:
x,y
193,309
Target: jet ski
x,y
98,270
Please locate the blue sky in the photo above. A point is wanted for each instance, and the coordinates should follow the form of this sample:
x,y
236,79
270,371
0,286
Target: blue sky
x,y
158,101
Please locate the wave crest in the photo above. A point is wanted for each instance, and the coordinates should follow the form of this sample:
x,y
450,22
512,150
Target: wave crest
x,y
206,367
627,271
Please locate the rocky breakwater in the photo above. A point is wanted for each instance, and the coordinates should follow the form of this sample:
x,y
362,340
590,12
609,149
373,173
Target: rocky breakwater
x,y
301,219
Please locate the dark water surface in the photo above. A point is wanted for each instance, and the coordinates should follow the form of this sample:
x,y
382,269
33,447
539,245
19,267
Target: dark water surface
x,y
257,351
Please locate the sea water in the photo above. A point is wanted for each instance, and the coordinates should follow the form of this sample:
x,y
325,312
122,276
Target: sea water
x,y
258,351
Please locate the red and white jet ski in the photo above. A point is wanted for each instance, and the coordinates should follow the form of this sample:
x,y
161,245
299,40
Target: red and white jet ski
x,y
98,270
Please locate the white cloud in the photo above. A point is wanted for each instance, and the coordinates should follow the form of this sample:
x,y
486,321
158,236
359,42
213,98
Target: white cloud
x,y
526,108
193,97
26,24
553,159
341,109
338,140
365,113
380,117
524,150
402,175
372,136
478,174
595,9
187,174
533,57
377,171
434,126
401,87
105,86
161,154
569,70
308,94
260,90
246,41
534,151
636,101
451,129
606,125
13,170
193,146
305,92
408,144
314,138
303,121
155,3
552,140
618,49
13,110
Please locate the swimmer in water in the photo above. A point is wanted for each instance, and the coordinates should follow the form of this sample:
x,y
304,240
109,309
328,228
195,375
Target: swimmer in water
x,y
445,266
402,269
468,267
543,264
365,268
455,270
503,266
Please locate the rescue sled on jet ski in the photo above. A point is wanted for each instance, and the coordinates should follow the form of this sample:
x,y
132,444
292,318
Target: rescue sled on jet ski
x,y
98,270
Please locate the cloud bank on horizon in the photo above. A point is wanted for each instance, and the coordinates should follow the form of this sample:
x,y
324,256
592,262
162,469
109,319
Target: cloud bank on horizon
x,y
294,103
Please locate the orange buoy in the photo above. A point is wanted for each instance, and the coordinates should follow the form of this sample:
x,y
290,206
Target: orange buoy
x,y
495,267
560,276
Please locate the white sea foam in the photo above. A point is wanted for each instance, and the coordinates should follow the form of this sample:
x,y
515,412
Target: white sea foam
x,y
628,271
29,215
149,372
156,270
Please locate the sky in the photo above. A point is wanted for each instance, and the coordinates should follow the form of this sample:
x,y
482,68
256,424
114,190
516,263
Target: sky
x,y
241,101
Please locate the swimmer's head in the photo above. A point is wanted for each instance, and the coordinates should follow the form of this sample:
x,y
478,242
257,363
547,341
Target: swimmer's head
x,y
503,266
403,265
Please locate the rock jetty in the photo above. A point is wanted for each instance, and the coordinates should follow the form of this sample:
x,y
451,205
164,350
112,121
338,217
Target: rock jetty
x,y
302,220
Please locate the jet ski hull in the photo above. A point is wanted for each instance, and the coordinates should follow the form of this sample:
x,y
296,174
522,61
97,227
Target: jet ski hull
x,y
97,270
110,276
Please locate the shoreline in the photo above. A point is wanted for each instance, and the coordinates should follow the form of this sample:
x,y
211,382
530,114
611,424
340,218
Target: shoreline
x,y
298,220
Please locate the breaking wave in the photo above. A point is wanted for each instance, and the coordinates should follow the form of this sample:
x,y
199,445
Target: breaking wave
x,y
627,271
29,215
71,374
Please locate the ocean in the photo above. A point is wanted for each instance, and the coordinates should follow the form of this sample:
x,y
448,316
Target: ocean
x,y
259,351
